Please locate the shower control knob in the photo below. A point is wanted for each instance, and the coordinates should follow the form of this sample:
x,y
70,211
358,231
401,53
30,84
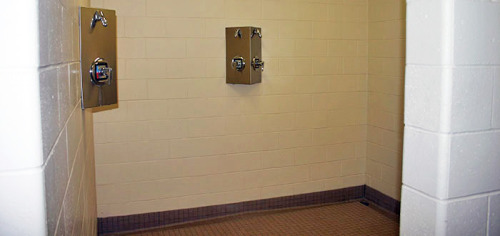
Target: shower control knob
x,y
257,63
100,72
238,63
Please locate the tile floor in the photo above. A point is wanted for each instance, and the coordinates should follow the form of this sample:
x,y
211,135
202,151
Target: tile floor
x,y
351,218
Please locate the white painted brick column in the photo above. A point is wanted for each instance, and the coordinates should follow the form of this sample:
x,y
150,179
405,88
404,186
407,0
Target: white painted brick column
x,y
451,182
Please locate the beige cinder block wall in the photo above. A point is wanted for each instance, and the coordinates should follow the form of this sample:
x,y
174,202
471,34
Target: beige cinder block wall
x,y
386,60
183,138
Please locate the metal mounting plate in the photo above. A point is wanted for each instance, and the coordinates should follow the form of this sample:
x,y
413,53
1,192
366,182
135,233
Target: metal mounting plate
x,y
241,42
97,42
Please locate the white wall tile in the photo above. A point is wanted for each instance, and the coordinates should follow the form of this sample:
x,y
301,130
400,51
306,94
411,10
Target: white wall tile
x,y
432,160
373,169
426,18
130,8
494,215
205,48
146,110
475,19
145,69
25,200
144,27
190,8
243,124
50,50
20,142
184,68
307,155
383,155
419,214
462,141
120,132
71,203
130,172
175,104
63,89
355,180
167,129
206,127
165,48
473,159
168,88
74,134
131,47
423,98
340,151
495,122
196,107
51,125
56,179
28,38
71,161
472,99
353,167
325,170
279,85
296,29
467,217
132,90
184,28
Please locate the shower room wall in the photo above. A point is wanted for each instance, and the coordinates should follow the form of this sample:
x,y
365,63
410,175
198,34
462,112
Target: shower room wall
x,y
386,61
452,119
46,145
68,150
181,137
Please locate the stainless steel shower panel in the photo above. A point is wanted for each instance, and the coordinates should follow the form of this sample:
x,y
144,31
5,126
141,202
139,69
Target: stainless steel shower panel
x,y
244,63
98,57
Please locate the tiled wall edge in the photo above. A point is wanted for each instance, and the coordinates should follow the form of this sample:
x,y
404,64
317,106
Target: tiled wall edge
x,y
143,221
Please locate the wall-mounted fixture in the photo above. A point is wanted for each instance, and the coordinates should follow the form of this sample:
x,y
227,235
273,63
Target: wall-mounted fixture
x,y
98,57
244,63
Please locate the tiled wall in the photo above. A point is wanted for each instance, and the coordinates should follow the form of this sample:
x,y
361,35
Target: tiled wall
x,y
183,138
47,172
21,177
452,119
386,60
66,129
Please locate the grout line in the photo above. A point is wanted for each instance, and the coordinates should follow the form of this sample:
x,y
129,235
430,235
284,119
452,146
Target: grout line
x,y
462,133
23,171
453,199
488,217
495,81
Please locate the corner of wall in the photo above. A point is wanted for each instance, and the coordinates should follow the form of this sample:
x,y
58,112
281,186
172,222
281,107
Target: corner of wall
x,y
386,72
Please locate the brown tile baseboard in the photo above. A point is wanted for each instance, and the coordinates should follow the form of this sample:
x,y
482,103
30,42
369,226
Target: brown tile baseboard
x,y
117,224
382,200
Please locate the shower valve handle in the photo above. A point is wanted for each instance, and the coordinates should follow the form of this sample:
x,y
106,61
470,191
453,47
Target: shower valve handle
x,y
257,63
